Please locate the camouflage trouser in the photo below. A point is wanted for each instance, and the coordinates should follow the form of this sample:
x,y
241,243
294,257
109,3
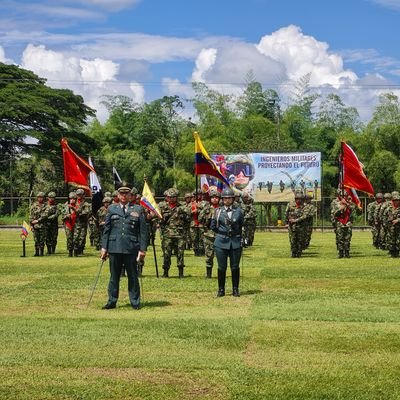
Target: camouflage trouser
x,y
209,250
343,237
171,244
80,232
307,235
393,240
249,229
70,238
39,236
188,239
94,235
196,234
51,235
383,237
375,235
296,239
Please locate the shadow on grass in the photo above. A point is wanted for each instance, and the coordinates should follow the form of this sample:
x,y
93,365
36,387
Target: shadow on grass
x,y
157,303
249,292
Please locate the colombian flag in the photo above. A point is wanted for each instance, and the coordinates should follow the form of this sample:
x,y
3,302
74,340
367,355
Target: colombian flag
x,y
148,202
25,229
203,163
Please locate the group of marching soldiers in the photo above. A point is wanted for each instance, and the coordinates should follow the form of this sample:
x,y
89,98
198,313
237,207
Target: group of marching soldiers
x,y
383,216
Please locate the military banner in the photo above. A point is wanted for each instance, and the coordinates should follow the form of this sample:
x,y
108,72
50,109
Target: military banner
x,y
272,177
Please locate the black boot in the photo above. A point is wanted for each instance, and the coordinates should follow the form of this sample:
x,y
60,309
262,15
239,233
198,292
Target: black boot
x,y
165,274
70,253
49,250
208,272
235,282
340,255
347,253
221,283
76,253
41,251
36,252
181,276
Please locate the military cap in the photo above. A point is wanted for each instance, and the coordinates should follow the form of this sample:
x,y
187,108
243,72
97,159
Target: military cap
x,y
227,192
107,200
245,195
134,191
379,196
72,195
172,192
80,192
40,194
214,193
124,189
52,195
107,194
387,196
115,193
187,195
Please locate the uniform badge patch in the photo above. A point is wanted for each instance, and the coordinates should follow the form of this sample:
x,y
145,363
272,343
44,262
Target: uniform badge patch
x,y
134,214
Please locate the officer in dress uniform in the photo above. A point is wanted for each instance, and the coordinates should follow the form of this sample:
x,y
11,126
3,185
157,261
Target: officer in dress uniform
x,y
227,223
124,241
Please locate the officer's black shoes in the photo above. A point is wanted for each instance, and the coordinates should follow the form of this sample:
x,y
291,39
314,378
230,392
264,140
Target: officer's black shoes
x,y
347,254
235,292
221,292
136,306
340,255
165,274
109,306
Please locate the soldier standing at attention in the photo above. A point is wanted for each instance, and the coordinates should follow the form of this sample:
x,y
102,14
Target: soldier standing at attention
x,y
250,217
101,215
188,239
68,216
391,219
371,209
227,223
174,217
83,211
309,212
295,223
51,211
124,241
205,217
196,226
37,221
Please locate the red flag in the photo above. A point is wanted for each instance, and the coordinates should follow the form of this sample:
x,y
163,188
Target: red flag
x,y
353,175
76,169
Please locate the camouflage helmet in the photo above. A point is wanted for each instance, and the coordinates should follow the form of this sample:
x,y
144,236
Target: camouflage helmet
x,y
134,191
40,194
387,196
173,192
107,200
379,196
227,193
299,195
214,193
115,193
80,192
72,195
188,195
395,195
51,195
107,194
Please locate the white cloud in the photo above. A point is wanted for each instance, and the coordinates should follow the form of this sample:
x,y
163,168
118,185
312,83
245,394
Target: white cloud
x,y
111,5
302,54
393,4
3,57
205,60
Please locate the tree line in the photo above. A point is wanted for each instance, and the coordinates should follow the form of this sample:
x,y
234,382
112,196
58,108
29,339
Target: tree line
x,y
154,139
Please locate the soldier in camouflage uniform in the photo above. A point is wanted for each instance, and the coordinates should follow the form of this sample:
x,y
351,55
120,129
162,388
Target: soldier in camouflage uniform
x,y
250,219
295,223
188,205
343,214
68,217
205,216
83,211
51,212
380,218
101,215
371,211
93,232
114,196
391,219
196,228
174,216
37,221
162,205
333,208
308,214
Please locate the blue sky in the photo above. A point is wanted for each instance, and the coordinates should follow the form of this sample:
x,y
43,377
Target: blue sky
x,y
149,48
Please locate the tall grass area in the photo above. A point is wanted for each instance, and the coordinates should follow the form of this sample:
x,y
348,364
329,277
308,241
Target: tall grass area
x,y
317,327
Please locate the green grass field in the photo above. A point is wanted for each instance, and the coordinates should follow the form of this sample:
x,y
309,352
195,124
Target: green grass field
x,y
309,328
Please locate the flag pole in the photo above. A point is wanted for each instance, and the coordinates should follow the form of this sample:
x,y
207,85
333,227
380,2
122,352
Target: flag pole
x,y
341,169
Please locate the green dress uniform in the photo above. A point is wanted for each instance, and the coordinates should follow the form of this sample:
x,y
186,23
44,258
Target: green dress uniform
x,y
125,233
